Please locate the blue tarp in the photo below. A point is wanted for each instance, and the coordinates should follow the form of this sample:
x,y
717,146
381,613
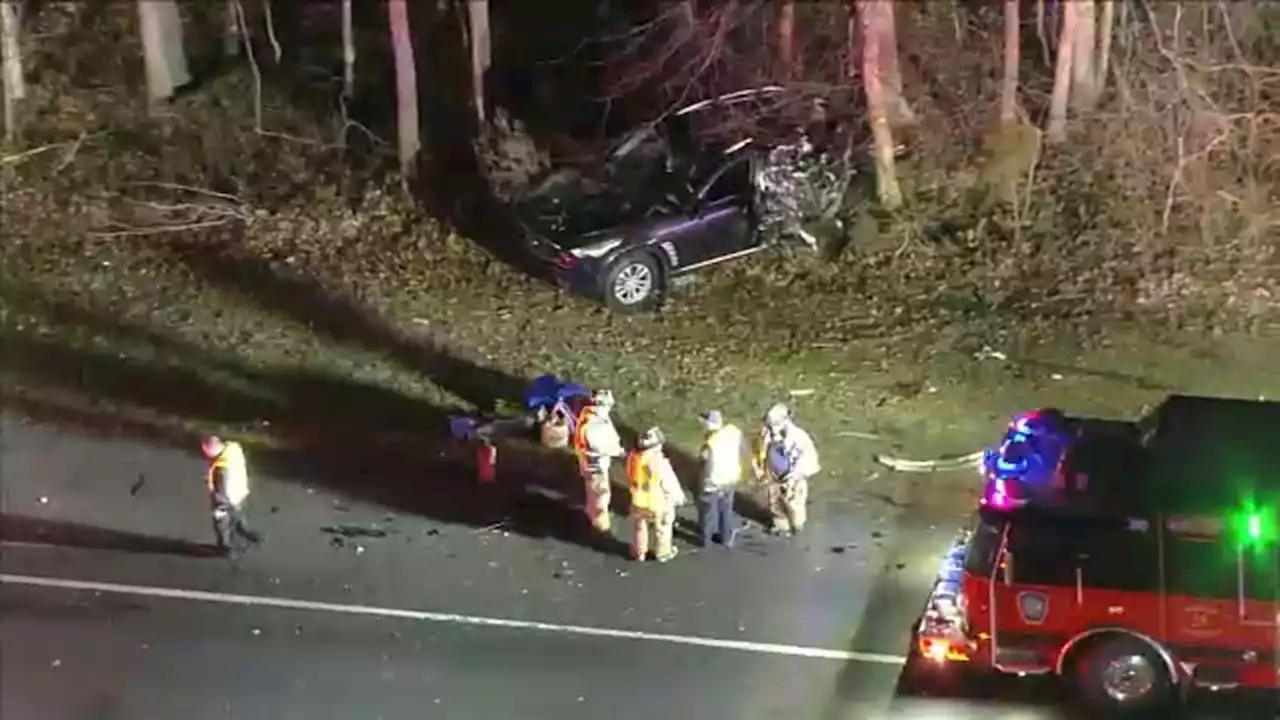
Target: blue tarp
x,y
547,390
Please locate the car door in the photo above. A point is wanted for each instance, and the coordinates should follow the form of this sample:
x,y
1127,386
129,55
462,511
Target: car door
x,y
719,225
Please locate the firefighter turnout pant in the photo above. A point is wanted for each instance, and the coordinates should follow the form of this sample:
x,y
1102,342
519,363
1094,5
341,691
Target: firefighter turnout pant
x,y
659,525
598,496
228,524
788,505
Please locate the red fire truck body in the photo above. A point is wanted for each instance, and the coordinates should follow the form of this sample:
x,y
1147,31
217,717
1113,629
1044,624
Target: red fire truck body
x,y
1151,570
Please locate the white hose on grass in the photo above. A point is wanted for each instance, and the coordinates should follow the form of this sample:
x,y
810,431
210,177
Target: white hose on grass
x,y
973,459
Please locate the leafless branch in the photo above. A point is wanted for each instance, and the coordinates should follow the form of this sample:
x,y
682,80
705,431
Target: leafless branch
x,y
161,229
271,30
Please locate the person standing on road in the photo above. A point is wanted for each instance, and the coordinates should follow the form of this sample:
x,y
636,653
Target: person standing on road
x,y
722,452
227,481
787,457
656,494
597,445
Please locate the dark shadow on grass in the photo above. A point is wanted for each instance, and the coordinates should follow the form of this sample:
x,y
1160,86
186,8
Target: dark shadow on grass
x,y
40,531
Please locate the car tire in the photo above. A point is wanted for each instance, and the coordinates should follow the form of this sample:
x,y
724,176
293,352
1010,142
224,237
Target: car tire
x,y
1124,677
634,283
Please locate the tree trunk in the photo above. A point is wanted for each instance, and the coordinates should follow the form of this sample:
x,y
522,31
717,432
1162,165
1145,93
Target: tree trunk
x,y
1012,59
900,112
1041,32
1056,131
787,35
15,87
348,52
406,84
162,50
853,54
481,52
876,17
1106,28
1084,93
231,40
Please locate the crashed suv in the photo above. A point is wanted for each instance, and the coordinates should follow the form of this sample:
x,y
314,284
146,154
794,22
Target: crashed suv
x,y
665,205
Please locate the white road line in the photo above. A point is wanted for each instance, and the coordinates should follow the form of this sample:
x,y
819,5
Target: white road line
x,y
450,618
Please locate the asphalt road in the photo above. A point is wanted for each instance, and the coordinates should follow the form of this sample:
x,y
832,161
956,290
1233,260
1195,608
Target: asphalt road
x,y
422,618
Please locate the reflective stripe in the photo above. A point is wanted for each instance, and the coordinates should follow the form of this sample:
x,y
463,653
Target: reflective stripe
x,y
640,480
580,429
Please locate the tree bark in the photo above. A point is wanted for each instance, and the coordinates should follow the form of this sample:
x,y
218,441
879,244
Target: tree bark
x,y
348,52
1056,131
15,86
1012,59
787,34
231,40
1084,93
876,18
406,85
1106,28
481,52
162,49
900,112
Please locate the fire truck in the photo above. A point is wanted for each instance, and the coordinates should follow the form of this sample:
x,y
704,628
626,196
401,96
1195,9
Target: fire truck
x,y
1137,561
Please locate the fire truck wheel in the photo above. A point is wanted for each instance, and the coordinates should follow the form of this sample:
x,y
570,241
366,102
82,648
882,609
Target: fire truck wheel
x,y
1123,675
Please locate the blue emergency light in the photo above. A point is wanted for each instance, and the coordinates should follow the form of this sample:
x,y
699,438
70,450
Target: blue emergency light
x,y
1027,460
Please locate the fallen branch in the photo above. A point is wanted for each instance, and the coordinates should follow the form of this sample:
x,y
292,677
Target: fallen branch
x,y
28,154
187,188
161,229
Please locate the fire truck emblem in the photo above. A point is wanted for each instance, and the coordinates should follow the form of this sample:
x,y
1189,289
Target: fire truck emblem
x,y
1033,606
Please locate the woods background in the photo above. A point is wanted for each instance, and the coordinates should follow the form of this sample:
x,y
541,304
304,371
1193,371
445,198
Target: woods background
x,y
1094,156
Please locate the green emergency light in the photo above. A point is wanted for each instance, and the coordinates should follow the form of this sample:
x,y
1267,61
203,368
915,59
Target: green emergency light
x,y
1253,527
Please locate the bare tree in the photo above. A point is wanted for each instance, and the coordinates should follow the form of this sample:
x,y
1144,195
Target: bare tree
x,y
481,51
15,87
1084,90
1106,28
406,84
348,52
1056,129
231,39
162,48
787,34
876,26
900,112
1012,59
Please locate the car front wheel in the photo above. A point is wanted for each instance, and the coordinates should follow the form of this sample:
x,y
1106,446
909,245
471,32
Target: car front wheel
x,y
634,283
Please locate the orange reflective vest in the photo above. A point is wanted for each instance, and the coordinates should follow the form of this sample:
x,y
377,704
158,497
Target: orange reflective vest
x,y
640,479
580,430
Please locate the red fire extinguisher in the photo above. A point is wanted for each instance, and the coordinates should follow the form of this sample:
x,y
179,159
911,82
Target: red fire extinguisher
x,y
486,462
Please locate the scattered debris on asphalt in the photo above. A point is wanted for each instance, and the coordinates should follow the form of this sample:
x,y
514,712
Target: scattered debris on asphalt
x,y
133,489
354,531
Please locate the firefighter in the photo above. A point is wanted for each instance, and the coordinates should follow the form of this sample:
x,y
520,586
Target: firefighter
x,y
786,457
656,494
227,481
597,445
722,454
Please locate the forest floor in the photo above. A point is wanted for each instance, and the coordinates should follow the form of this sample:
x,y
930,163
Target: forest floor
x,y
222,278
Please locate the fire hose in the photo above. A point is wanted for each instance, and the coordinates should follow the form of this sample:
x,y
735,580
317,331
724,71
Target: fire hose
x,y
946,464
